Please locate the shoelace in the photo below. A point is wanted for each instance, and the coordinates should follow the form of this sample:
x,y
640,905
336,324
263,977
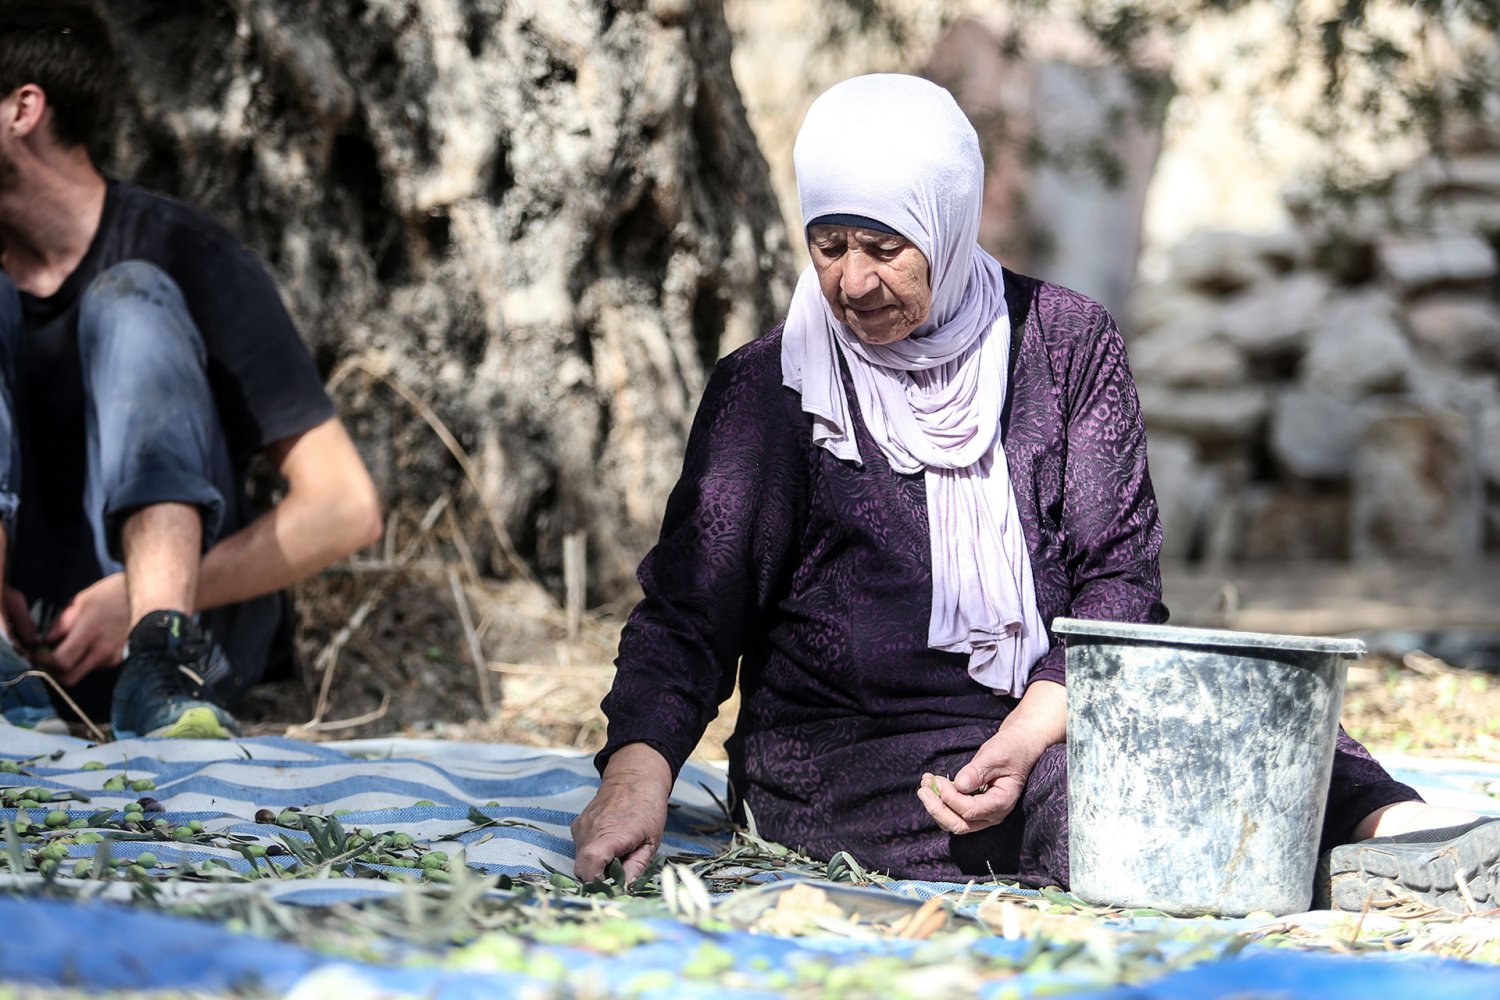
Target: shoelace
x,y
168,679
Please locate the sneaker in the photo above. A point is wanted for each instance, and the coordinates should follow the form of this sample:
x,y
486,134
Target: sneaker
x,y
160,690
1456,868
23,700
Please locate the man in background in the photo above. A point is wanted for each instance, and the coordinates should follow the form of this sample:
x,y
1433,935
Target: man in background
x,y
146,359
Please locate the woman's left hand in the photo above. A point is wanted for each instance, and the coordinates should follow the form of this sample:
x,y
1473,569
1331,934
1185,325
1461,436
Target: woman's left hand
x,y
986,789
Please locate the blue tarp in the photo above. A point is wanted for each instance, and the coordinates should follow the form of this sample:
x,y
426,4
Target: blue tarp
x,y
427,789
97,946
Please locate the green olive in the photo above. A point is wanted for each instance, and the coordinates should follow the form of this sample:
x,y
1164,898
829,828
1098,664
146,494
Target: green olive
x,y
146,859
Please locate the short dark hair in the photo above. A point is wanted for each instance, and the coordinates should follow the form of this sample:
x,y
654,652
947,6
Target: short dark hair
x,y
63,47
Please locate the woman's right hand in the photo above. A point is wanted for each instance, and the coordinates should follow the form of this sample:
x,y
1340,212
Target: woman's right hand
x,y
626,818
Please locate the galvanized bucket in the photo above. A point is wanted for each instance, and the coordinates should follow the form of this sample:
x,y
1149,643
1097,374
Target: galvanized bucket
x,y
1198,764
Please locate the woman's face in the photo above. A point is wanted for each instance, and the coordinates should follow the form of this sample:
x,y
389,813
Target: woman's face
x,y
875,283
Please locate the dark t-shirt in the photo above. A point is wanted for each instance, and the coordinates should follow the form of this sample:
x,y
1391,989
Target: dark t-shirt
x,y
263,381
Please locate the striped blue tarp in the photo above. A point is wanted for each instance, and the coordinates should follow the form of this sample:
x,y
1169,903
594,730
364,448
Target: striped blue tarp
x,y
430,790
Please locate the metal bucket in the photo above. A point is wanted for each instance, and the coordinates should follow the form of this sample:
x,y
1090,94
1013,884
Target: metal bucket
x,y
1198,764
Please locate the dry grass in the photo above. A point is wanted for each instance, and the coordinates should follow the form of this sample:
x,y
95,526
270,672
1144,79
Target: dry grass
x,y
1419,704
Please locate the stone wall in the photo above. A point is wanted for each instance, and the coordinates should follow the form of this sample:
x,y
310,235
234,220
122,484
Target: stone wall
x,y
1333,391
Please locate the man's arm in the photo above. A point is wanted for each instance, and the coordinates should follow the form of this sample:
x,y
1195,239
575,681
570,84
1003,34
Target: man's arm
x,y
330,510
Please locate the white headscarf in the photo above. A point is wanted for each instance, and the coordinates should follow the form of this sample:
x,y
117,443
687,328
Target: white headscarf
x,y
897,149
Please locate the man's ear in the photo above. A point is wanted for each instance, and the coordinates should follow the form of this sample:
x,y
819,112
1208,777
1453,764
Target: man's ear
x,y
28,109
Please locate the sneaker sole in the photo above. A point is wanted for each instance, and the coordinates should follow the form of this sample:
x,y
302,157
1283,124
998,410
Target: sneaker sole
x,y
1461,875
52,725
200,723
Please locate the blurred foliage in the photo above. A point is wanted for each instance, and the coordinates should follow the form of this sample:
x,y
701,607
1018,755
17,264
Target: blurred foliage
x,y
1424,69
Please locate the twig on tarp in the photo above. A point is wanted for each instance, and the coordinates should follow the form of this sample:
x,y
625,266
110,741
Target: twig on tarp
x,y
94,729
293,732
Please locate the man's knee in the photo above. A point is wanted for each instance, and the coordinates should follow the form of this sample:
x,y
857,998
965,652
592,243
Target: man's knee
x,y
135,306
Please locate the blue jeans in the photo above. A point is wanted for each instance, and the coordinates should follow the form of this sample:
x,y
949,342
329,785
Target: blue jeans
x,y
153,436
153,428
10,433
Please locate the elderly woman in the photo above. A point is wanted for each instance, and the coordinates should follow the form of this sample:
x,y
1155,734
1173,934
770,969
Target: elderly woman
x,y
883,504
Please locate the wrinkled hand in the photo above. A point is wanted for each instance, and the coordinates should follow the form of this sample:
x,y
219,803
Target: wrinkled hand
x,y
90,632
15,619
626,818
987,788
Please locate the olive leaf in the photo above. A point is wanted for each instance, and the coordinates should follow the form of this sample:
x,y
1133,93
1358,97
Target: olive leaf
x,y
13,850
102,853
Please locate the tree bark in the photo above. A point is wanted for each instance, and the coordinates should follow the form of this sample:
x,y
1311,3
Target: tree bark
x,y
543,218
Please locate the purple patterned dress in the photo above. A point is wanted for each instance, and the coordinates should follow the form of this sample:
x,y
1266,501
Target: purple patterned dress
x,y
810,578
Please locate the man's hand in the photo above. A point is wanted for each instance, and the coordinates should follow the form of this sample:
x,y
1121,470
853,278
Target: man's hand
x,y
15,619
90,632
626,818
987,789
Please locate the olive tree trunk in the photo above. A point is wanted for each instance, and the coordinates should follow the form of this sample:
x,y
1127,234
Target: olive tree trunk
x,y
531,224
